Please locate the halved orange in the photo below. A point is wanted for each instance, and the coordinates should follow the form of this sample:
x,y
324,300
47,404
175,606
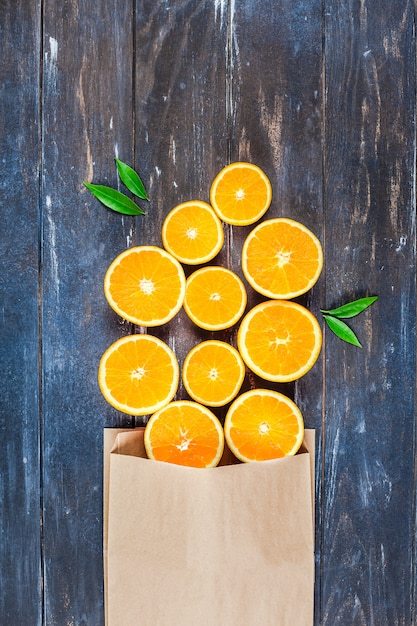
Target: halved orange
x,y
279,340
145,285
262,424
192,232
184,433
138,374
215,297
213,372
281,258
241,193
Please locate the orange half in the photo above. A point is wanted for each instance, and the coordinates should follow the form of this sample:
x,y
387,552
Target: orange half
x,y
213,372
192,232
184,433
138,374
241,193
279,340
281,258
215,297
262,424
145,285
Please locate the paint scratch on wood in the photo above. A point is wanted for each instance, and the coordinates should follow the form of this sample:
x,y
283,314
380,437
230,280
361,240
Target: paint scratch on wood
x,y
173,150
53,46
220,7
332,471
375,485
272,124
80,96
51,57
234,54
52,248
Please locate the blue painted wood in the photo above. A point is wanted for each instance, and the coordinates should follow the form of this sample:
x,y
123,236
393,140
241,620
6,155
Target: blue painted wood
x,y
87,121
181,127
319,93
20,494
276,84
368,489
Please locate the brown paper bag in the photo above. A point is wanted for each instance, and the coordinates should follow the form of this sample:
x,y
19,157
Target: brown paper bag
x,y
227,546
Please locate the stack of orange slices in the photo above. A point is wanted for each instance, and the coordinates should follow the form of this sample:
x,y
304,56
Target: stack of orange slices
x,y
279,340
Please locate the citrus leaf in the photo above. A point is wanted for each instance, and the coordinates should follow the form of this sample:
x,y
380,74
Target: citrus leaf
x,y
114,199
131,179
351,309
342,330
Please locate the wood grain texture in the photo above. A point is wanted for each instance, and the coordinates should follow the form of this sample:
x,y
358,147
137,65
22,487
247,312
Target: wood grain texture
x,y
180,123
322,95
368,488
20,541
87,121
276,122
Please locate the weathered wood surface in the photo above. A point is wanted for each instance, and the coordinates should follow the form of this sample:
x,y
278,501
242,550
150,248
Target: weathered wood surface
x,y
321,95
20,416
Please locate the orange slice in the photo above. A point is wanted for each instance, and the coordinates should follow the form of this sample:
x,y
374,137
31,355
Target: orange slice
x,y
281,258
145,285
279,340
262,424
184,433
215,297
213,372
241,193
192,232
138,374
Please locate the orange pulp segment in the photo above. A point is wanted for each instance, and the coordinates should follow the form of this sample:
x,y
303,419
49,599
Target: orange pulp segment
x,y
262,424
145,285
241,193
279,340
192,232
138,374
213,372
215,297
184,433
281,258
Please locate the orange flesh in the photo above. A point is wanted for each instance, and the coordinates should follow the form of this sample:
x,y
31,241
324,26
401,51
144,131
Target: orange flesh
x,y
265,427
216,298
241,194
193,233
281,259
140,374
186,436
146,285
213,373
280,340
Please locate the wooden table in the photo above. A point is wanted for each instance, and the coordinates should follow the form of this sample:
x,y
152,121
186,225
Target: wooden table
x,y
321,95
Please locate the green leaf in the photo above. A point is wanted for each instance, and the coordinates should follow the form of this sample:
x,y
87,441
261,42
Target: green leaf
x,y
114,199
351,308
131,179
342,330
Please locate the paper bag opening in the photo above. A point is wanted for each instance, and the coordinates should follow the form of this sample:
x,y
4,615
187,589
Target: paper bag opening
x,y
231,545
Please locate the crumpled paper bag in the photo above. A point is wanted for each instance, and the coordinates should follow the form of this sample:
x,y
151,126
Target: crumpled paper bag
x,y
226,546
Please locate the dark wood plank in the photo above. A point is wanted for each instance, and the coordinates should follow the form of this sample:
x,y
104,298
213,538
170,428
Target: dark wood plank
x,y
20,544
180,122
87,120
276,122
368,488
321,95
